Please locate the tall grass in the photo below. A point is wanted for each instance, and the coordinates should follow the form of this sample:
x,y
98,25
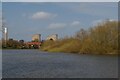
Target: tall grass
x,y
99,39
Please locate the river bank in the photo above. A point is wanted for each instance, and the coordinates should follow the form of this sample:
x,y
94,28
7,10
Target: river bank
x,y
99,39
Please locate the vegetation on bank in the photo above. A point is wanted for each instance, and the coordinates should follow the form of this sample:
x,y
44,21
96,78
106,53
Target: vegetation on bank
x,y
18,44
12,44
99,39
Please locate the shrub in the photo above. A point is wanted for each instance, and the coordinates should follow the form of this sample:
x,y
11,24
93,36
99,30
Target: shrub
x,y
100,39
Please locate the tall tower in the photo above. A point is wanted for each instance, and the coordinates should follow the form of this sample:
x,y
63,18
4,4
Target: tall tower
x,y
6,34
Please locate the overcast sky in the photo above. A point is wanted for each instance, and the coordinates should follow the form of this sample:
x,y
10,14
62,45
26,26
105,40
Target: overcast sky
x,y
25,19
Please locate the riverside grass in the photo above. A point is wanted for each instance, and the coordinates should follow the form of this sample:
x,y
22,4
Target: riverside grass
x,y
99,39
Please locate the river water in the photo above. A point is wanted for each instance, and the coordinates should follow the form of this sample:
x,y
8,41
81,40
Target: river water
x,y
38,64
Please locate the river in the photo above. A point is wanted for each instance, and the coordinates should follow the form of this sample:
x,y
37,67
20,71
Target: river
x,y
38,64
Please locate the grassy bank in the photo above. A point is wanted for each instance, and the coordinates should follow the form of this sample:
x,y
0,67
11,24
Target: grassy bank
x,y
100,39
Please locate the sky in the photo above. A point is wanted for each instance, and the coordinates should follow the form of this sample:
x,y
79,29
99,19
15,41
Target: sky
x,y
23,19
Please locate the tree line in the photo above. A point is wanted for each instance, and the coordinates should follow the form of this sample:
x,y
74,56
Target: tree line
x,y
102,38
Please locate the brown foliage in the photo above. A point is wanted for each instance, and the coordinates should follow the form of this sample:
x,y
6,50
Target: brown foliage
x,y
100,39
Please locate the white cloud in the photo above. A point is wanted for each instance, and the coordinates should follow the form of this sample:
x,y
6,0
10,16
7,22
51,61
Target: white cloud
x,y
56,25
113,20
96,22
43,15
62,25
75,23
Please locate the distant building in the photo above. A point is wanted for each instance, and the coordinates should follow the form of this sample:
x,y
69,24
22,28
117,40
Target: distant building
x,y
36,37
53,37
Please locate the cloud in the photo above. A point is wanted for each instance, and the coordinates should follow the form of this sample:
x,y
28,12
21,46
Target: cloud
x,y
62,25
43,15
56,25
75,23
96,22
112,20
